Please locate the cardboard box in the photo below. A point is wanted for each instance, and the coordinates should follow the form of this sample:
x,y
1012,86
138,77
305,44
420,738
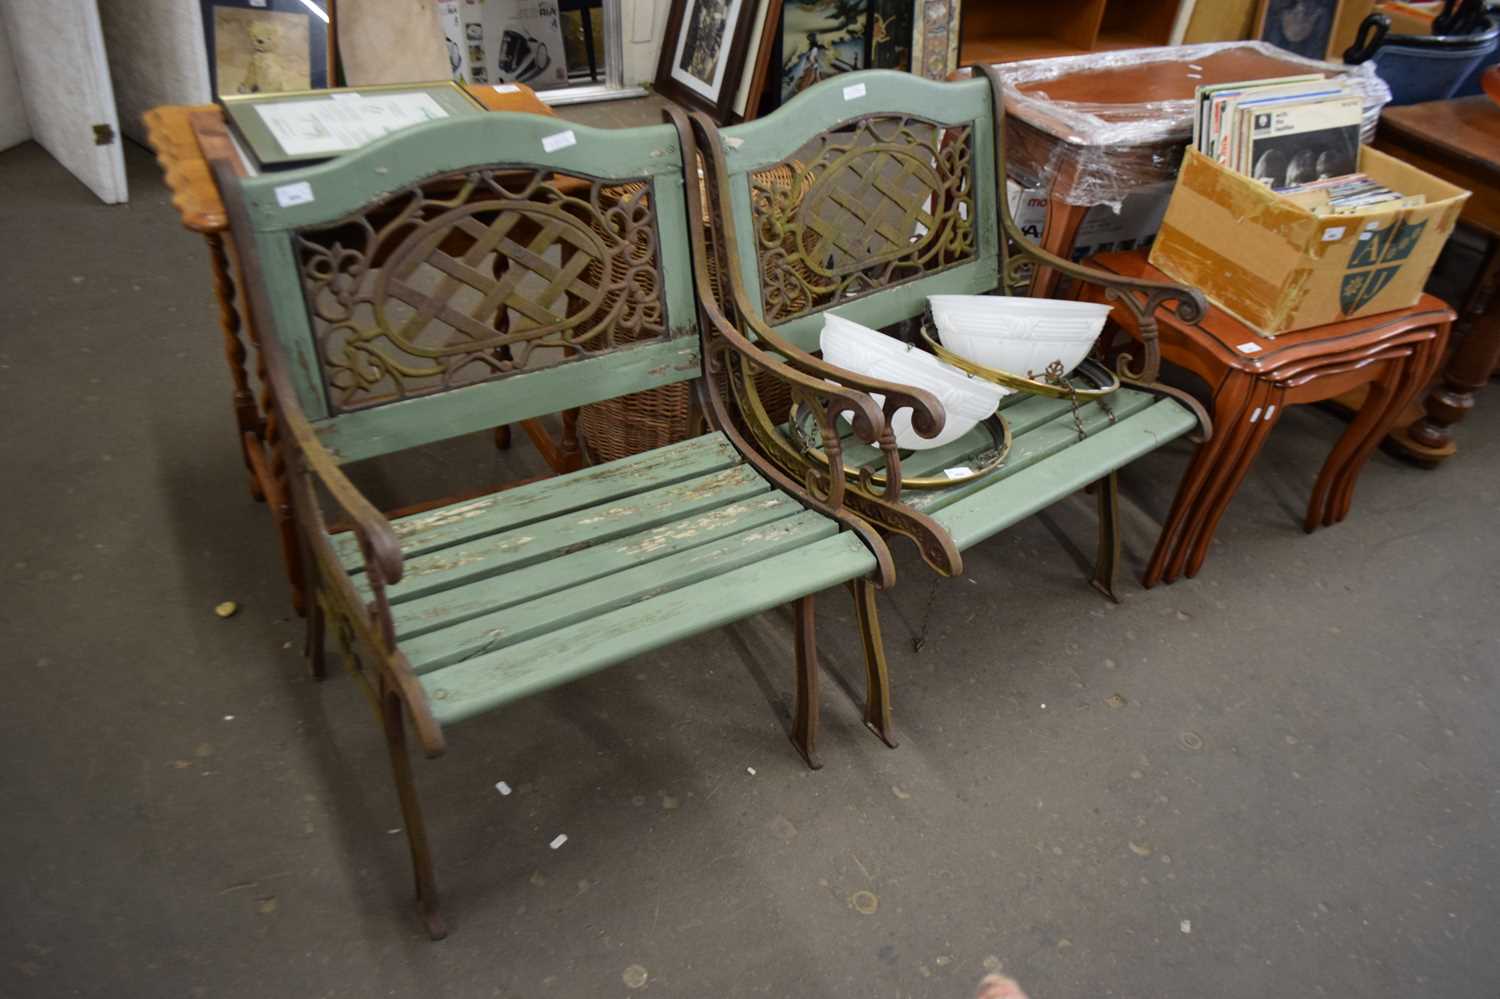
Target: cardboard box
x,y
1104,228
1277,267
505,41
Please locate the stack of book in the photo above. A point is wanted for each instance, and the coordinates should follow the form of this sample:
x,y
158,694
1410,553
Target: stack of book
x,y
1298,135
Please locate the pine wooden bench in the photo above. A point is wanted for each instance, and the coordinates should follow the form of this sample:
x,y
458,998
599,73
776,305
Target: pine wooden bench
x,y
471,273
864,195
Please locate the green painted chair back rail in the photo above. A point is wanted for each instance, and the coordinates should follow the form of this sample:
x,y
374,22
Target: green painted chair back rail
x,y
868,204
474,272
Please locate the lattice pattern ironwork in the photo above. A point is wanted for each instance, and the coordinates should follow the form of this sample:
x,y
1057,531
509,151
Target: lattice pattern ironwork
x,y
464,277
876,202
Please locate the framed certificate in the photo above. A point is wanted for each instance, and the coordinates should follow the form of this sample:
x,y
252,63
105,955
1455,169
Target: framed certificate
x,y
281,130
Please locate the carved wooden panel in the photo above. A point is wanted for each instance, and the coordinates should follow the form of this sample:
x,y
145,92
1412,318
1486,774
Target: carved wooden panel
x,y
876,202
469,276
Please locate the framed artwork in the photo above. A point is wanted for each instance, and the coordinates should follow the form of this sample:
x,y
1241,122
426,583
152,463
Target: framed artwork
x,y
758,62
1300,26
293,129
703,53
266,46
822,38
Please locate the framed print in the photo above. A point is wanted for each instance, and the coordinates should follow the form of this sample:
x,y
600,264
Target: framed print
x,y
1300,26
703,53
822,38
266,46
293,129
758,62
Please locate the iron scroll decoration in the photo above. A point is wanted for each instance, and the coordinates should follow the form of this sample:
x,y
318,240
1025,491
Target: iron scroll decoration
x,y
462,277
810,438
879,200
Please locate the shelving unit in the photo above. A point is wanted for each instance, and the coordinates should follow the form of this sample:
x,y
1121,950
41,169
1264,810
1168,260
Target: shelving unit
x,y
1010,30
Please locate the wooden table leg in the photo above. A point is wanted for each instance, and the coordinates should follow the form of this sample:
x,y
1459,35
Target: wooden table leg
x,y
1058,236
246,413
1473,362
1415,374
1373,415
1265,412
1228,404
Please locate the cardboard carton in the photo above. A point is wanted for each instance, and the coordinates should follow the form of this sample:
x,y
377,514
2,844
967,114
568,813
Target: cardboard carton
x,y
1277,267
1134,223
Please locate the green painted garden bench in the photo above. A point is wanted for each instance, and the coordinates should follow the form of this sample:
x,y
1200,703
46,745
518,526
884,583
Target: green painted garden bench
x,y
477,272
864,195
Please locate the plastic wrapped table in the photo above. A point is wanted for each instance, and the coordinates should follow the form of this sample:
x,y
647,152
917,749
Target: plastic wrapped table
x,y
1094,129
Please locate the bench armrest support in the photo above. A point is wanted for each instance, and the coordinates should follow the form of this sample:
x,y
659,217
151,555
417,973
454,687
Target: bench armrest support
x,y
730,396
731,357
927,411
310,460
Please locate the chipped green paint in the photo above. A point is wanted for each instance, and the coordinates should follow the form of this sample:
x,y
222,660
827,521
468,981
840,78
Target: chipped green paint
x,y
489,680
986,512
552,597
505,551
554,497
347,184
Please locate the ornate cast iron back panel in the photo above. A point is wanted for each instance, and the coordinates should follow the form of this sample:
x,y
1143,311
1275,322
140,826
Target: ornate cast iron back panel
x,y
464,277
875,202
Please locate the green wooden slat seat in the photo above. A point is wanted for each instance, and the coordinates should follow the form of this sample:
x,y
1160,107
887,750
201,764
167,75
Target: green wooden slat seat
x,y
527,589
1047,460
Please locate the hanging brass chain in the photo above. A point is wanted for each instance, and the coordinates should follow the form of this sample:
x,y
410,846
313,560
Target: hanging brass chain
x,y
1054,374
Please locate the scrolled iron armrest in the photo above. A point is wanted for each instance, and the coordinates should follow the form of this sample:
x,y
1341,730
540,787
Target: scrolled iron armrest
x,y
927,412
378,543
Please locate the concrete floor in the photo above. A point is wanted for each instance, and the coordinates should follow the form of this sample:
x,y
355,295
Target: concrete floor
x,y
1277,779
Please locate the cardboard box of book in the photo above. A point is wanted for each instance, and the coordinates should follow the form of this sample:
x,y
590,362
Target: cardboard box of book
x,y
1277,264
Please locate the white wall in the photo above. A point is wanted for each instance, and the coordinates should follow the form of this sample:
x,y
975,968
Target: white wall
x,y
14,128
156,56
58,51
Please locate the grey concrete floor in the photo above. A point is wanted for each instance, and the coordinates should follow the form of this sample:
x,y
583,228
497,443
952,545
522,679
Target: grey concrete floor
x,y
1277,779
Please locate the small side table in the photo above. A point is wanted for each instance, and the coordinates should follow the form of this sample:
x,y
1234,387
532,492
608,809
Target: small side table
x,y
1254,378
186,138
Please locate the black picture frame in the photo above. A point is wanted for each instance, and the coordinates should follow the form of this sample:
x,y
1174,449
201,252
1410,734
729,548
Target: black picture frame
x,y
884,27
314,15
732,40
1303,27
